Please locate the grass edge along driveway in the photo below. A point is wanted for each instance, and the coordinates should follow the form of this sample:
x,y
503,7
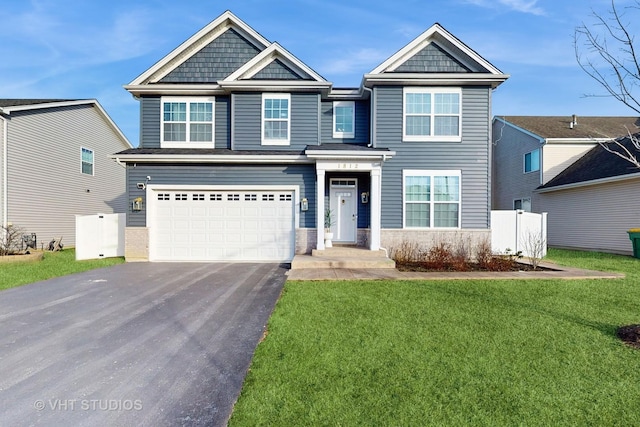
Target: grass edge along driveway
x,y
54,264
538,352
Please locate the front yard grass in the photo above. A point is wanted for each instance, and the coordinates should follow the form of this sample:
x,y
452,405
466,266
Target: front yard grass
x,y
536,352
54,264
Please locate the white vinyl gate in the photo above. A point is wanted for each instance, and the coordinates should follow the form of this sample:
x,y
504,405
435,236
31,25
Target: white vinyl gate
x,y
513,231
221,225
99,236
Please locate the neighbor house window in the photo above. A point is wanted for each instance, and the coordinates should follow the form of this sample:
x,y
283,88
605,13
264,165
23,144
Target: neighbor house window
x,y
532,161
86,161
187,122
522,204
431,199
431,114
344,117
276,118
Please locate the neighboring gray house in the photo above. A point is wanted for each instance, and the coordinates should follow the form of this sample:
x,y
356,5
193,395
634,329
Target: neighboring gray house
x,y
244,147
593,202
54,164
529,151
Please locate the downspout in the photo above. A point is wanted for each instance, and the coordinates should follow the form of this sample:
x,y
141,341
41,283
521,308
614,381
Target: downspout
x,y
5,172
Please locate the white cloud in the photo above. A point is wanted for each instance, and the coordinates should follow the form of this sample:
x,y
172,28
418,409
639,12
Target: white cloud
x,y
523,6
354,62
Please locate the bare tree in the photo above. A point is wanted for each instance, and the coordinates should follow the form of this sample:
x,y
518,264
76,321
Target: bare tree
x,y
608,53
535,246
10,239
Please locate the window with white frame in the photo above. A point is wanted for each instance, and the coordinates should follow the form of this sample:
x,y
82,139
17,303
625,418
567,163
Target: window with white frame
x,y
522,204
431,198
431,114
188,122
532,161
344,117
86,161
276,118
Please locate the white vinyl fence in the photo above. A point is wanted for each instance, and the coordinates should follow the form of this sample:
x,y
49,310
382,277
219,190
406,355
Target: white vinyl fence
x,y
514,231
99,236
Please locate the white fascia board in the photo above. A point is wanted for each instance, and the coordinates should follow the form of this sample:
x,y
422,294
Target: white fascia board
x,y
209,158
578,140
436,79
267,56
175,89
589,183
343,154
519,129
203,37
347,94
417,44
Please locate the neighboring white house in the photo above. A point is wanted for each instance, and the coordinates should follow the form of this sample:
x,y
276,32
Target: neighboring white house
x,y
55,164
593,202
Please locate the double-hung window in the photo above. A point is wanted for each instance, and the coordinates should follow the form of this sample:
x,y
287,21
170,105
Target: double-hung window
x,y
344,117
431,114
276,118
187,122
86,161
532,161
431,198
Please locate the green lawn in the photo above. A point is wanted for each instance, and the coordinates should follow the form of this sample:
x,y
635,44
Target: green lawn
x,y
450,353
54,264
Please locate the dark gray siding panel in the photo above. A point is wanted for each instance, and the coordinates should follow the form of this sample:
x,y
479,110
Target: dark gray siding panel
x,y
301,175
248,121
150,122
362,124
432,59
471,156
279,71
215,61
223,122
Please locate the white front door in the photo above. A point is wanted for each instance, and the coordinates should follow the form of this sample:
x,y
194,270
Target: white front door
x,y
344,207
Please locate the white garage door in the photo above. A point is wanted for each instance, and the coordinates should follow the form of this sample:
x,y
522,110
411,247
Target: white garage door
x,y
222,226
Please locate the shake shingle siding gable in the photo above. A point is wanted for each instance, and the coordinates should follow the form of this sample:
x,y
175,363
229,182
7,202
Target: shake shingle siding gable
x,y
432,59
215,61
279,71
471,156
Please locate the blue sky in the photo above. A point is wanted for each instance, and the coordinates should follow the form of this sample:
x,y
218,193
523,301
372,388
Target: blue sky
x,y
89,49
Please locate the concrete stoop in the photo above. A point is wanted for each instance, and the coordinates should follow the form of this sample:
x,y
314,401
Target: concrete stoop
x,y
343,257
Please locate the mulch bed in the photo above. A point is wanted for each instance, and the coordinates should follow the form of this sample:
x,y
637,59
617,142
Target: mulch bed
x,y
500,265
630,335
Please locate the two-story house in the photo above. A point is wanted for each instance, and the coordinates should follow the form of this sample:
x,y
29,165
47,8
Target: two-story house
x,y
244,148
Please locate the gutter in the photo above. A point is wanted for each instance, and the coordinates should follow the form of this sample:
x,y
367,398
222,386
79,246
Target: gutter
x,y
5,172
588,183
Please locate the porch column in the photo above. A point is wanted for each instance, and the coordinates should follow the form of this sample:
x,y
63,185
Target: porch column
x,y
376,208
320,209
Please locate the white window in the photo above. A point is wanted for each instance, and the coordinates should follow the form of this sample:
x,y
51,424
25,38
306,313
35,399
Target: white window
x,y
187,122
86,161
276,118
431,198
344,118
532,161
522,204
431,114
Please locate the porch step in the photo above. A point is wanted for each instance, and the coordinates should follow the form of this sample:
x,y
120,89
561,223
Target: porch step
x,y
343,257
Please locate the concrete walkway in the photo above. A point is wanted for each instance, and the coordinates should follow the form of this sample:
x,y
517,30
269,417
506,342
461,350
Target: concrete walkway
x,y
557,272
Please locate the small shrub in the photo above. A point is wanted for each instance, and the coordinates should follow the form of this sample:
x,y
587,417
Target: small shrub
x,y
10,239
407,252
483,254
439,256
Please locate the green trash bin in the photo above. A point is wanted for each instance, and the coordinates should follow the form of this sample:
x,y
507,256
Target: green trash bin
x,y
634,236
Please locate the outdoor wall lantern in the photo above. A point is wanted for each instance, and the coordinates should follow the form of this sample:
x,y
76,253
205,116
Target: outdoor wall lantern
x,y
304,205
364,198
136,204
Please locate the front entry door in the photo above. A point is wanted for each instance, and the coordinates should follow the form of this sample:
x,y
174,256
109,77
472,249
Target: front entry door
x,y
344,207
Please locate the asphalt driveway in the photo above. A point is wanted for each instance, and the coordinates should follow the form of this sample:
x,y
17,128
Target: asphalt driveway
x,y
133,344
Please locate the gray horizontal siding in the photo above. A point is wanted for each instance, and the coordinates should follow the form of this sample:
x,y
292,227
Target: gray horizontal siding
x,y
508,178
46,186
361,125
302,175
471,156
215,61
248,122
150,126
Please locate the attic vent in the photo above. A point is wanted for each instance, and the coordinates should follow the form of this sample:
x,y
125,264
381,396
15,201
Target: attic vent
x,y
574,121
